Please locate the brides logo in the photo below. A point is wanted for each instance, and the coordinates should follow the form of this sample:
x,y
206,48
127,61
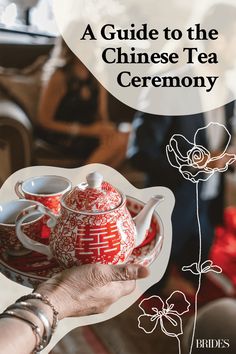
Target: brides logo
x,y
212,343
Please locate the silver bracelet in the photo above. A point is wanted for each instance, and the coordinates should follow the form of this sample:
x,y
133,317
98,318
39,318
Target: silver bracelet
x,y
47,335
34,327
46,301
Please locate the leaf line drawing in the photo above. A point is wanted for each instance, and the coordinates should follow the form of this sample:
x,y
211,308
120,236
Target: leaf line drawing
x,y
204,268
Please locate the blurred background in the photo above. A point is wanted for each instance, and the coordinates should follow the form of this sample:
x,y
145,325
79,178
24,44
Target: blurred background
x,y
35,15
28,34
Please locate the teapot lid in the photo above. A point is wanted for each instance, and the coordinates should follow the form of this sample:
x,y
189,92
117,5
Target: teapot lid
x,y
94,196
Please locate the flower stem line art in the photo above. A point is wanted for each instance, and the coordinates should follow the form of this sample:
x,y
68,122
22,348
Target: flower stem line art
x,y
196,164
198,264
199,268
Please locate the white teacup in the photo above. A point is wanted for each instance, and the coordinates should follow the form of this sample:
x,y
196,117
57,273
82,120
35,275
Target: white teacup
x,y
32,226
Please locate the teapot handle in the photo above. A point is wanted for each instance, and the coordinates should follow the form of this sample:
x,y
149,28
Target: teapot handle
x,y
24,239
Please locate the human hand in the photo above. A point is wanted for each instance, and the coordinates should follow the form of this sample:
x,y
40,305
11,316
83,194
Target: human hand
x,y
100,129
116,141
91,288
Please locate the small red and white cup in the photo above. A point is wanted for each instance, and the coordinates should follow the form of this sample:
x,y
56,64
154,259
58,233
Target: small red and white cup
x,y
46,190
32,226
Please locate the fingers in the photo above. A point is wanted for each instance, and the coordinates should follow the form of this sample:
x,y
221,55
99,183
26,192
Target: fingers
x,y
91,288
100,274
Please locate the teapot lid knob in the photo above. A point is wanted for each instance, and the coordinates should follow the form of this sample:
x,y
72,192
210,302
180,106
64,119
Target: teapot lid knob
x,y
94,180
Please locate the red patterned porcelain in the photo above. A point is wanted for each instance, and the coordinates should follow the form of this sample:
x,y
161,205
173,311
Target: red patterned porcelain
x,y
53,203
47,190
34,268
31,227
28,270
94,226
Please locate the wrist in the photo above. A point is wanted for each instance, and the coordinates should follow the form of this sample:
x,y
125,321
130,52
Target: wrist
x,y
45,308
75,129
63,299
55,296
83,130
39,316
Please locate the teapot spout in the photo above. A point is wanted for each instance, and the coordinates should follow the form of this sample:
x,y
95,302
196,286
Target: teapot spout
x,y
143,219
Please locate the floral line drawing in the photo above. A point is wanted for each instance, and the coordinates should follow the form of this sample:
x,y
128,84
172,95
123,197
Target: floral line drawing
x,y
195,164
198,164
204,268
165,314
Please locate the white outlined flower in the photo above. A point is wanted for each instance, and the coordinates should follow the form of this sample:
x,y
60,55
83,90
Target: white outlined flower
x,y
165,314
194,163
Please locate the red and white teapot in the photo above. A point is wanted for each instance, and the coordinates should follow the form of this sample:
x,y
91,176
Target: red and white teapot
x,y
94,225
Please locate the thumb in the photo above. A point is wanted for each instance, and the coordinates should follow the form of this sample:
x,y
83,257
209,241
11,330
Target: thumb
x,y
126,272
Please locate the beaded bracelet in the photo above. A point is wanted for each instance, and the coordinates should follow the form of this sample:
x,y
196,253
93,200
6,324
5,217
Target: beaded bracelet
x,y
46,301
